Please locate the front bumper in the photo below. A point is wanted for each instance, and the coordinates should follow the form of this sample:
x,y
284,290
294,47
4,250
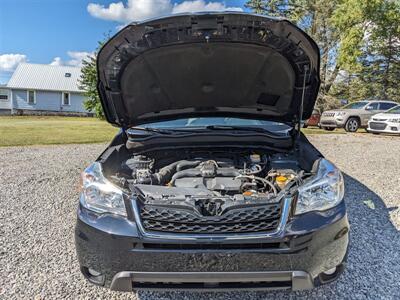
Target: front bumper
x,y
309,245
217,281
383,127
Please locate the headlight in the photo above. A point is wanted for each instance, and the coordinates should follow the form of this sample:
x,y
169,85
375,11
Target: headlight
x,y
394,120
340,114
100,195
322,191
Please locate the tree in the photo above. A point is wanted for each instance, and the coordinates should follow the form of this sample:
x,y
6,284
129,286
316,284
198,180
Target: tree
x,y
313,16
356,37
88,82
370,34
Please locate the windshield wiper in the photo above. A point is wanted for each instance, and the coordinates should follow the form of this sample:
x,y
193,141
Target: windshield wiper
x,y
244,128
161,131
148,129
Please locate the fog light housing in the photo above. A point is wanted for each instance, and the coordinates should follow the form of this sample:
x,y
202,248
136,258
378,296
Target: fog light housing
x,y
93,276
93,272
330,271
330,274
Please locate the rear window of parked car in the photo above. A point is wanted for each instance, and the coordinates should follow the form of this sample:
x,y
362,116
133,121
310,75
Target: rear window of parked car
x,y
386,105
374,106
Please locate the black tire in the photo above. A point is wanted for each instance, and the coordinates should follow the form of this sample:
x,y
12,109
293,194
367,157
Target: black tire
x,y
352,125
329,128
376,133
305,125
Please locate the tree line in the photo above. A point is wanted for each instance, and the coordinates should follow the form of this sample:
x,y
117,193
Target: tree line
x,y
359,45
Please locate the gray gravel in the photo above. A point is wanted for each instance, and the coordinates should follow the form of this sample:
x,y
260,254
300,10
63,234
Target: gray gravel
x,y
38,198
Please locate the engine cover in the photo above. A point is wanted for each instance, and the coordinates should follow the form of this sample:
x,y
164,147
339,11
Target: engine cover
x,y
228,184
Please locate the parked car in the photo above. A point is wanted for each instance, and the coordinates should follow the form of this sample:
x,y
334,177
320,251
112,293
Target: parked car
x,y
209,184
354,115
386,122
314,119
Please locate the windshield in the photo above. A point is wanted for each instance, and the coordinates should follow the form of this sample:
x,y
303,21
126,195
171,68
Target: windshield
x,y
394,110
204,122
355,105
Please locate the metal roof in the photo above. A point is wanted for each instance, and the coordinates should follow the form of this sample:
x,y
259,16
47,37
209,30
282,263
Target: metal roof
x,y
45,77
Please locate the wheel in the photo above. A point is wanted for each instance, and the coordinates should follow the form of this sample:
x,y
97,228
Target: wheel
x,y
352,125
376,133
305,125
329,128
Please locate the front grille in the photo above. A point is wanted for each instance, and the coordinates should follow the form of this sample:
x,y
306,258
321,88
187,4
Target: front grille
x,y
327,114
296,244
278,284
377,126
381,120
216,246
238,220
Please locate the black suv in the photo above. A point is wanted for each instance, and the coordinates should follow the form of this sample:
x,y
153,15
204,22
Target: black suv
x,y
210,184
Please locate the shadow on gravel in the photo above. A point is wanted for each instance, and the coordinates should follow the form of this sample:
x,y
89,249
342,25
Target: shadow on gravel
x,y
373,261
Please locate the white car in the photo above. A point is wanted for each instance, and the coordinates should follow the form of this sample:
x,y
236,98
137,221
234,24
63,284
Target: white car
x,y
386,122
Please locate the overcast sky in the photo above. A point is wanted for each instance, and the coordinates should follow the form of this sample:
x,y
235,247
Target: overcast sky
x,y
62,32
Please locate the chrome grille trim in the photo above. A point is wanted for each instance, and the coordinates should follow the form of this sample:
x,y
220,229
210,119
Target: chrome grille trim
x,y
278,232
210,228
179,216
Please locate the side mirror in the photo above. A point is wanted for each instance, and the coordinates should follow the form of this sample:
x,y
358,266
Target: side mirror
x,y
369,107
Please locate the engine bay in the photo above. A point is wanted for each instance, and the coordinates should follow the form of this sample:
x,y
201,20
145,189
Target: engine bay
x,y
210,182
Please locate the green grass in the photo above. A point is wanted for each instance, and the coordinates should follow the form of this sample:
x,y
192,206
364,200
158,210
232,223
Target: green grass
x,y
35,130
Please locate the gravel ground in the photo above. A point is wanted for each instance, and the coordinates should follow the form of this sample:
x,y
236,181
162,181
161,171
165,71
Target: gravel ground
x,y
38,198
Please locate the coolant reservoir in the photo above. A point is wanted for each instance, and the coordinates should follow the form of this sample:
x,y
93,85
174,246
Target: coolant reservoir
x,y
281,181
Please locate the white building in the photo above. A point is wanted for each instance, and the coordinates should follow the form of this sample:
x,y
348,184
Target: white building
x,y
35,88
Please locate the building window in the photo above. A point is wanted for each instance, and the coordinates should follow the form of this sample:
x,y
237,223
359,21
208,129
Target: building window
x,y
3,95
31,97
66,100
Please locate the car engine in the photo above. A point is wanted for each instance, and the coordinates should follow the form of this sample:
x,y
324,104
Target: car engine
x,y
210,191
217,173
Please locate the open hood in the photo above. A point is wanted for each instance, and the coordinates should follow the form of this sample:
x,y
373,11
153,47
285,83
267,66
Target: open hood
x,y
211,64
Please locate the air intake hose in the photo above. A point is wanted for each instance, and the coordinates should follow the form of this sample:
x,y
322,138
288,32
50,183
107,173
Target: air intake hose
x,y
164,175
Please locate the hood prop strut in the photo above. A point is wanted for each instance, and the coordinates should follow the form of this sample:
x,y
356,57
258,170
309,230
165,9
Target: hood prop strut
x,y
303,93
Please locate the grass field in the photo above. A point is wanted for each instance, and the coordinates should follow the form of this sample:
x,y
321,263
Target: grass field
x,y
35,130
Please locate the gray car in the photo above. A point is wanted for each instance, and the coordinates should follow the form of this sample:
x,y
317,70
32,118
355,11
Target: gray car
x,y
354,115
